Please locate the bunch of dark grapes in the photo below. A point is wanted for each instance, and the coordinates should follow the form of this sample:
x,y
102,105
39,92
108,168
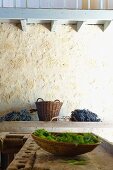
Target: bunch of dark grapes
x,y
23,115
84,116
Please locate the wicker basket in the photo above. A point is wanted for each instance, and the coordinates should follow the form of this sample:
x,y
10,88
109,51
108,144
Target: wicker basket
x,y
63,148
48,109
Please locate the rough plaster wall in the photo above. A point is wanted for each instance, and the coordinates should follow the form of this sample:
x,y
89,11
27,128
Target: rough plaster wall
x,y
76,68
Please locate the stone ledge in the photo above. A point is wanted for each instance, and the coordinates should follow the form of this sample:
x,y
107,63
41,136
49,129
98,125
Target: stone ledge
x,y
30,126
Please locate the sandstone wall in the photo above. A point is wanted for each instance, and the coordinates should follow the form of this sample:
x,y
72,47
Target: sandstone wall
x,y
75,67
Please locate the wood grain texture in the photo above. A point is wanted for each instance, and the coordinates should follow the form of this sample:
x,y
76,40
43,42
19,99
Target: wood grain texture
x,y
33,157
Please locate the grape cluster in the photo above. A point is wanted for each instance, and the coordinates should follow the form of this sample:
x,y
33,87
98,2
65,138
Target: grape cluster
x,y
23,115
84,116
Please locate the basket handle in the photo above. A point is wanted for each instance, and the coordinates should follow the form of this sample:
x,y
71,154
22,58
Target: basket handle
x,y
33,110
57,101
64,118
39,99
54,118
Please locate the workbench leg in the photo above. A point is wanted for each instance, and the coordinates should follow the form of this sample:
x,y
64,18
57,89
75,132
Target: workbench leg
x,y
4,161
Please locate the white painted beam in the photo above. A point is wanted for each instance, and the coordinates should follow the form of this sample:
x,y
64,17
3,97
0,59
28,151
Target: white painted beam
x,y
79,25
107,24
24,25
54,26
55,14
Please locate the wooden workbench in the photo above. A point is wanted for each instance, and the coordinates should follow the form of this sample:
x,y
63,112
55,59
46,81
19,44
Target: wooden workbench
x,y
102,129
32,157
10,144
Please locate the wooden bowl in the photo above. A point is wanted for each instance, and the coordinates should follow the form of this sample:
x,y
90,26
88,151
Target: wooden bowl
x,y
63,148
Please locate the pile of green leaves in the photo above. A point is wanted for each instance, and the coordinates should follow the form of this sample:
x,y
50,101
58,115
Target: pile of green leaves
x,y
82,138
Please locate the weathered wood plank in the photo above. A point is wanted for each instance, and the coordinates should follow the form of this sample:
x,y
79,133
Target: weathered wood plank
x,y
25,157
97,159
33,157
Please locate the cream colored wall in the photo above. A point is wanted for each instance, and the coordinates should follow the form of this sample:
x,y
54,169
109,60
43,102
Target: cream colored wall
x,y
75,67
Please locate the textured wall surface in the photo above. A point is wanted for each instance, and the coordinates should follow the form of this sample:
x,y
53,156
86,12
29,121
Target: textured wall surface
x,y
75,67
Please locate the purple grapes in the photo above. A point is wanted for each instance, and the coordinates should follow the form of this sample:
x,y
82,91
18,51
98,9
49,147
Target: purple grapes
x,y
84,116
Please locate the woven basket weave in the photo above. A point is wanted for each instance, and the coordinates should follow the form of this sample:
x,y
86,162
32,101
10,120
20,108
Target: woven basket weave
x,y
63,148
48,109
